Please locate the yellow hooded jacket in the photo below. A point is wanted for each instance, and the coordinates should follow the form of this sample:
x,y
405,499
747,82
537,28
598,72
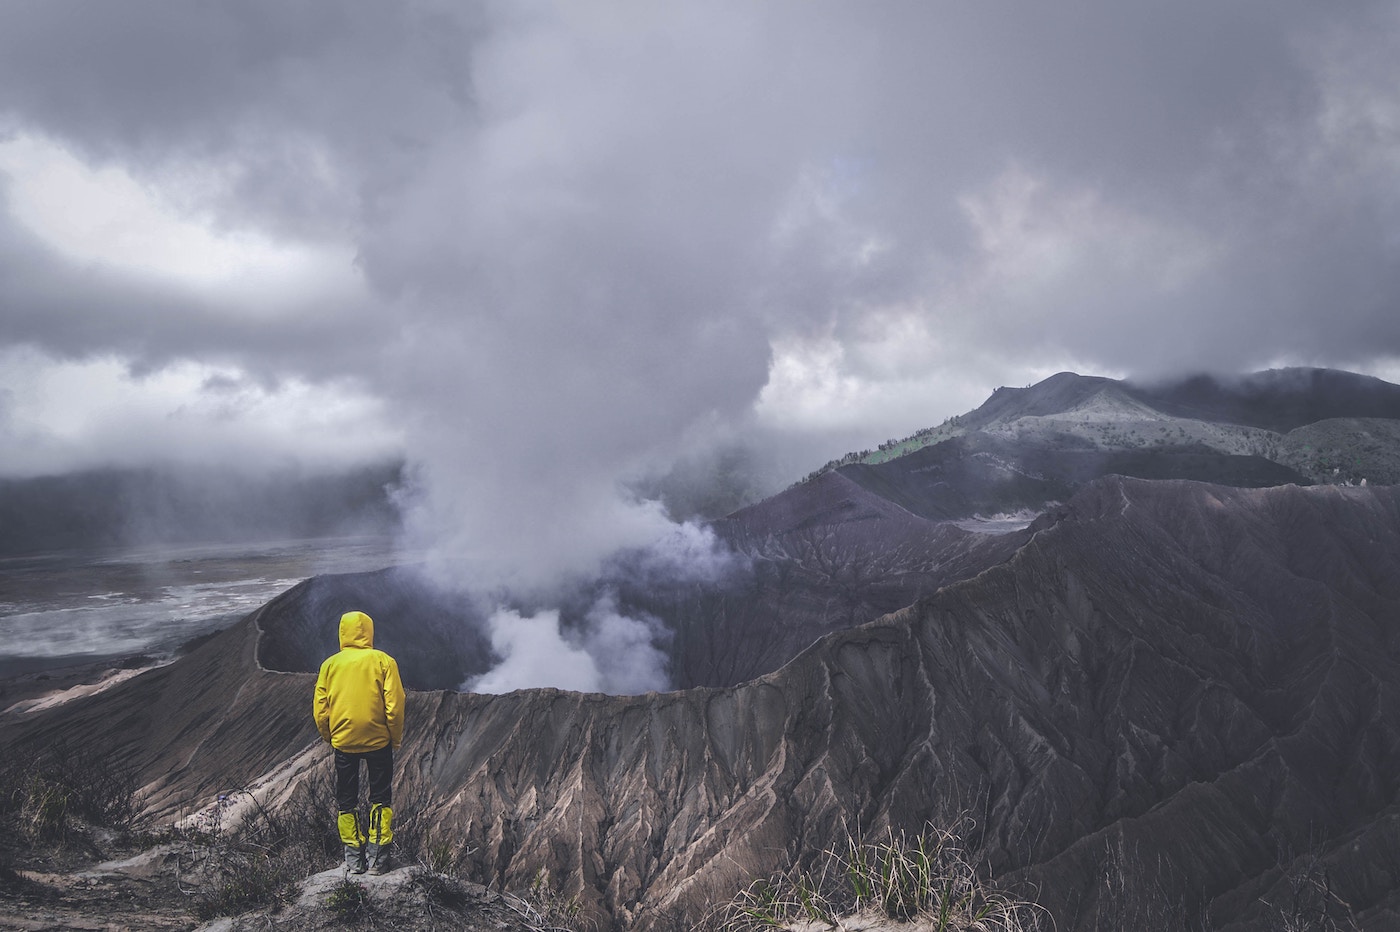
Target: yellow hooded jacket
x,y
359,698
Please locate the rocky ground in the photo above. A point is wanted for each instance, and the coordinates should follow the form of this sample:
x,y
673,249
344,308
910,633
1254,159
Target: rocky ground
x,y
83,887
60,872
79,885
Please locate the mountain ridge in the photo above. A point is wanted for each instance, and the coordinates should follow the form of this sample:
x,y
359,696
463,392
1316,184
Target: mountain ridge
x,y
1250,414
1168,669
1314,425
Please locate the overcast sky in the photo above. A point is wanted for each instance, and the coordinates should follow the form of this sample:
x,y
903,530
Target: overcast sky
x,y
541,247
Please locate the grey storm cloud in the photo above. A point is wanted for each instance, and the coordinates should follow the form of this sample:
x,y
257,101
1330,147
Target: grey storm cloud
x,y
584,228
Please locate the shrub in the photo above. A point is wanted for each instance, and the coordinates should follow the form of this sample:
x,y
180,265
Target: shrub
x,y
929,878
417,838
44,795
231,866
545,909
440,888
349,901
258,881
11,880
43,809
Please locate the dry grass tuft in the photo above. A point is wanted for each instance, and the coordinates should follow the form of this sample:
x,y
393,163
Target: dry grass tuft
x,y
928,880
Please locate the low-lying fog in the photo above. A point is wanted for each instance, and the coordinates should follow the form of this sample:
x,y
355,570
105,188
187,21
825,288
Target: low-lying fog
x,y
62,608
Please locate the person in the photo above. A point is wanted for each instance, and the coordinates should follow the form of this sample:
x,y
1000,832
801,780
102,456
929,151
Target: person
x,y
359,710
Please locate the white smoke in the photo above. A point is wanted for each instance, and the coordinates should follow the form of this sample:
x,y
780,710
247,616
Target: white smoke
x,y
624,649
687,552
606,650
611,653
534,653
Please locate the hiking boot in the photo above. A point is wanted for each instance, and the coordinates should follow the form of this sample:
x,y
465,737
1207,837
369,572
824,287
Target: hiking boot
x,y
378,858
354,859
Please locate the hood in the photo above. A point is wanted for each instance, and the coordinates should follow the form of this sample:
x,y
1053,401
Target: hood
x,y
356,630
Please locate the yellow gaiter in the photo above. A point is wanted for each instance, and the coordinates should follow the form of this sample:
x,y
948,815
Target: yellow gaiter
x,y
381,825
349,825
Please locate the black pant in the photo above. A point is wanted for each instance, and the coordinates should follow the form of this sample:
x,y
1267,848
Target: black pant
x,y
347,778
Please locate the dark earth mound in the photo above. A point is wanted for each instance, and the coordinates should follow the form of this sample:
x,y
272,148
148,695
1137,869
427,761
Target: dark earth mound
x,y
436,637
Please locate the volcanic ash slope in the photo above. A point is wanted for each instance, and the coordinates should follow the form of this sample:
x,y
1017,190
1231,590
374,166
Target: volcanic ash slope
x,y
1169,701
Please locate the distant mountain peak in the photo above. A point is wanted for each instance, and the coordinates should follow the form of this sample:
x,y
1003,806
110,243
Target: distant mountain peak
x,y
1306,420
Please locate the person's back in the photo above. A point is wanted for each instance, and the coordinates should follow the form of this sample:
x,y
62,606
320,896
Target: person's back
x,y
358,707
